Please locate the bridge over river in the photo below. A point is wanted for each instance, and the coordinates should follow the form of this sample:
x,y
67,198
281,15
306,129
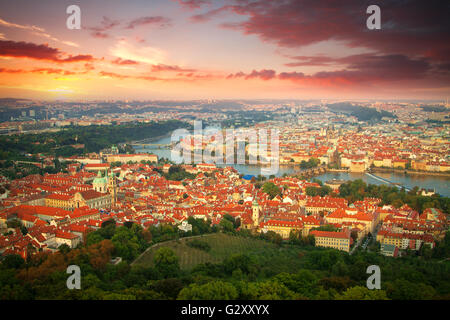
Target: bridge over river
x,y
311,172
386,181
158,145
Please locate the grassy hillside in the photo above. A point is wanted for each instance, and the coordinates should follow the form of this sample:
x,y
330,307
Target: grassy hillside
x,y
223,246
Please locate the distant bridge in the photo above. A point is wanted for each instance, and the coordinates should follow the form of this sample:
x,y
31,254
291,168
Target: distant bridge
x,y
39,164
385,180
311,172
159,145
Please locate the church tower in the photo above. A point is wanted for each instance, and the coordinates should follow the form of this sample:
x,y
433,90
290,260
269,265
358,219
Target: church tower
x,y
255,213
112,188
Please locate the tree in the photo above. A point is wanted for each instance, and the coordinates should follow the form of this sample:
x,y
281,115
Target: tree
x,y
267,290
169,287
166,262
401,289
362,293
321,191
24,230
337,283
128,224
271,189
126,243
119,296
147,235
14,223
199,226
13,261
213,290
93,237
64,248
354,235
309,240
237,261
303,282
326,227
226,226
311,163
108,222
294,237
228,217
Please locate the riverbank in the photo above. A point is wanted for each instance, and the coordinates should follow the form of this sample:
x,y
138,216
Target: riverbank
x,y
411,172
152,139
337,170
428,180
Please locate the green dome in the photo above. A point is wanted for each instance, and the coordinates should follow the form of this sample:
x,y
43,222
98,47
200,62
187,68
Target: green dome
x,y
100,179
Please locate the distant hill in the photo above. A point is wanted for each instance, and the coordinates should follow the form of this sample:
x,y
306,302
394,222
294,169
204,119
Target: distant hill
x,y
12,100
434,108
360,112
228,105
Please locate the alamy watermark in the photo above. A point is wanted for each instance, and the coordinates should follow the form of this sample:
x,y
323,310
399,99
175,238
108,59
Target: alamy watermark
x,y
74,20
374,281
373,22
74,280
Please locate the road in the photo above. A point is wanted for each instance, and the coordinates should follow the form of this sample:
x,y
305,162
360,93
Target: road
x,y
366,239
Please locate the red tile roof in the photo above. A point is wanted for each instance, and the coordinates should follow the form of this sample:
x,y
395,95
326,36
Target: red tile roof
x,y
330,234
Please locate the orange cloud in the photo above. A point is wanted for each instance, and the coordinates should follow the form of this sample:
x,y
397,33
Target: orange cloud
x,y
39,52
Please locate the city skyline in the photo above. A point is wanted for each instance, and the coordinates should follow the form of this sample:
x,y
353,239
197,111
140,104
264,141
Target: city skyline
x,y
224,50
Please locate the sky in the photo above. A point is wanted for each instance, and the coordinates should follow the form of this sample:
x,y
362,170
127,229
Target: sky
x,y
225,49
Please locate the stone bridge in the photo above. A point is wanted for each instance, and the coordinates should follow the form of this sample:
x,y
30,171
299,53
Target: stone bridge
x,y
311,172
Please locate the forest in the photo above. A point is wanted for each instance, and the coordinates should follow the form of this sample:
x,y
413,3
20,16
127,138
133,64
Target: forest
x,y
360,112
93,137
312,273
391,195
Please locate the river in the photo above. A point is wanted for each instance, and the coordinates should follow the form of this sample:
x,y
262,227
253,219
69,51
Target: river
x,y
441,184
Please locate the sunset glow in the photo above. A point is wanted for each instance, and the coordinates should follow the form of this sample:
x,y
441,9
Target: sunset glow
x,y
224,49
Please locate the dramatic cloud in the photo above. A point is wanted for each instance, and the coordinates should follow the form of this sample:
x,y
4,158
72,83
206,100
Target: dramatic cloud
x,y
34,30
20,26
100,35
40,71
77,58
389,67
157,20
105,25
53,71
163,67
6,70
323,46
412,27
318,60
88,67
209,14
193,4
360,68
263,74
291,75
113,75
394,66
120,61
239,74
39,52
137,77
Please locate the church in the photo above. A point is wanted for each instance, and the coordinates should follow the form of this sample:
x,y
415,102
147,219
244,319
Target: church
x,y
106,184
